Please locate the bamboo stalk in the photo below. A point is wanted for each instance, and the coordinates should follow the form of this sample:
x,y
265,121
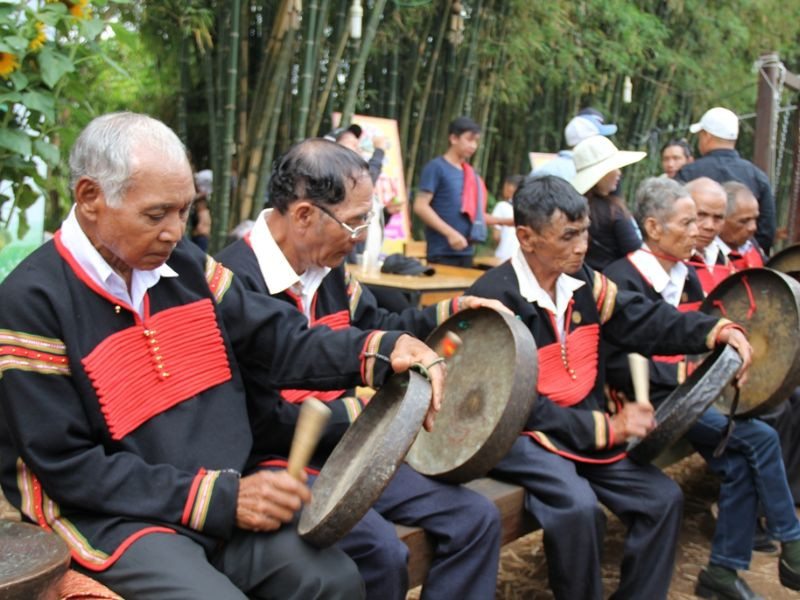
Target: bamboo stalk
x,y
357,73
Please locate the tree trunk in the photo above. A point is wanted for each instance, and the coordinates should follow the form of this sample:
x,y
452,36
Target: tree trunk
x,y
357,74
412,154
183,86
309,60
223,191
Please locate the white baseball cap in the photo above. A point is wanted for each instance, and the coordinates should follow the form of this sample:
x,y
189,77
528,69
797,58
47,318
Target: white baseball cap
x,y
586,126
719,122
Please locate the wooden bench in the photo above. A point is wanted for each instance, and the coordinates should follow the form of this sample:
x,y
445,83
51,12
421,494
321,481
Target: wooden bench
x,y
516,522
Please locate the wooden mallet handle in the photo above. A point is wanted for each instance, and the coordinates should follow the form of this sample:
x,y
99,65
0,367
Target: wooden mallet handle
x,y
313,416
640,375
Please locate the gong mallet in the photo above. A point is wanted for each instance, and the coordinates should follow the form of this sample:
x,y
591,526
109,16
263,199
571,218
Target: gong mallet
x,y
313,416
640,375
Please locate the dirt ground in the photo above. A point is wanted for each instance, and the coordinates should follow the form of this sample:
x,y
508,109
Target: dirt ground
x,y
523,568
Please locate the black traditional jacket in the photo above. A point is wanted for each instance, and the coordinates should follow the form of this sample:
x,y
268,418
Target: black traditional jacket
x,y
340,302
113,426
570,416
666,372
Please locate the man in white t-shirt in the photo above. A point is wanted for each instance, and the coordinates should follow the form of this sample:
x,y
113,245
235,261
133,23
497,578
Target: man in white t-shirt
x,y
505,235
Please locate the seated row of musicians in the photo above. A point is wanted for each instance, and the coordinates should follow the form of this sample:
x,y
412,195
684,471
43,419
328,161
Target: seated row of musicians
x,y
138,371
749,457
142,419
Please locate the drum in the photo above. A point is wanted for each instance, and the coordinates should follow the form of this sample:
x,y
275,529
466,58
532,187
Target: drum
x,y
681,409
490,390
365,459
786,261
767,304
32,562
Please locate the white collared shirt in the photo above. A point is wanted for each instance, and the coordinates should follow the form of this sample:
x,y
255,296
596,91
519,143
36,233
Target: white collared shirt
x,y
669,285
710,253
278,274
530,289
74,239
742,250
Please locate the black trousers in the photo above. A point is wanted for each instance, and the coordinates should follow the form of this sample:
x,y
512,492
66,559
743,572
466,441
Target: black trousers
x,y
464,260
563,495
252,565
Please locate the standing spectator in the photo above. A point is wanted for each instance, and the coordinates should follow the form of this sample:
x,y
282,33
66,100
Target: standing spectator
x,y
452,198
674,155
611,233
200,215
587,123
505,235
717,132
349,137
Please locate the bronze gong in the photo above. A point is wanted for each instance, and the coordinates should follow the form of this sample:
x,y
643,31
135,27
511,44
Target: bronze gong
x,y
489,392
767,304
681,409
365,459
786,261
32,562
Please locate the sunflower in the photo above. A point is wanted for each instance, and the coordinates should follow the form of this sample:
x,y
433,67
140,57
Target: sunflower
x,y
79,9
8,64
37,42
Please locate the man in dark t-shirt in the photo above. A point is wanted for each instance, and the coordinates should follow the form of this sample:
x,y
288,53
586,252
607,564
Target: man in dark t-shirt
x,y
439,199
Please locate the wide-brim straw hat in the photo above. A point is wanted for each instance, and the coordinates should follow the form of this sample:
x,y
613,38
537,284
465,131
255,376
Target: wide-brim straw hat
x,y
597,156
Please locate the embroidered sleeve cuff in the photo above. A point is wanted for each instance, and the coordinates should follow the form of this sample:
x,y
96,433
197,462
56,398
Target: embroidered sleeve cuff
x,y
375,357
446,308
602,430
211,504
712,339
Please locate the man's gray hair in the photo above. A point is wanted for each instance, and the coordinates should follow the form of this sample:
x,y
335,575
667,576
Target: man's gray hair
x,y
656,198
104,151
733,189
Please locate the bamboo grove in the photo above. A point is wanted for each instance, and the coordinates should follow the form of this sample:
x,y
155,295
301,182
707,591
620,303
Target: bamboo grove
x,y
241,80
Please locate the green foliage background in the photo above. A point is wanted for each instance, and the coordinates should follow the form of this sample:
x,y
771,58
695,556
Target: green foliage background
x,y
521,68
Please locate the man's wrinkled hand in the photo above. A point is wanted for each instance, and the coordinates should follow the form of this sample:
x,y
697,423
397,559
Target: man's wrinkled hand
x,y
735,338
635,420
409,350
465,302
268,499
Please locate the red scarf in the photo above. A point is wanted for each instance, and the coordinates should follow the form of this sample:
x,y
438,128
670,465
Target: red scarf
x,y
474,193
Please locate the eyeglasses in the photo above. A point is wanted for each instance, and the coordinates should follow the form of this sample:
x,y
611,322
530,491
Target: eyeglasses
x,y
353,231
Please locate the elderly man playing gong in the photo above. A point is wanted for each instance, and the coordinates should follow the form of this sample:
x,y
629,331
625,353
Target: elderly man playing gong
x,y
751,466
124,422
571,455
321,197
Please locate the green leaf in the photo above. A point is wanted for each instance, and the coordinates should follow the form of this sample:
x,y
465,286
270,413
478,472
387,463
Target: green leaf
x,y
19,80
11,97
18,43
43,103
114,65
124,35
92,28
16,141
6,48
54,65
49,153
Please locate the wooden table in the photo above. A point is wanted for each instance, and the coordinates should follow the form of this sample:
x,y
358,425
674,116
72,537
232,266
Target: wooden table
x,y
446,282
487,262
32,562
